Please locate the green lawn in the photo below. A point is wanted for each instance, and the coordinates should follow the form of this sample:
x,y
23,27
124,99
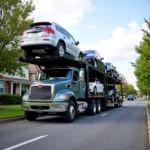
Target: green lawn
x,y
148,106
10,111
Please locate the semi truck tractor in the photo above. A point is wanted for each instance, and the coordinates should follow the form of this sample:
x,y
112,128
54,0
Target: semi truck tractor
x,y
62,89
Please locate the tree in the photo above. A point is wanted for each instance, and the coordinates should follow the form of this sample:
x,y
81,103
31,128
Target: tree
x,y
142,64
131,89
14,18
124,85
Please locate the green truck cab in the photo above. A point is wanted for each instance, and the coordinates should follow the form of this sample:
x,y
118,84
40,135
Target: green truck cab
x,y
57,92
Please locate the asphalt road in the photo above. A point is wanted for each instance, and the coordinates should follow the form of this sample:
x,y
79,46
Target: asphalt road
x,y
113,129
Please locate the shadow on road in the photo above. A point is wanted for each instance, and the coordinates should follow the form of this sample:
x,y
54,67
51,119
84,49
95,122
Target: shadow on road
x,y
125,114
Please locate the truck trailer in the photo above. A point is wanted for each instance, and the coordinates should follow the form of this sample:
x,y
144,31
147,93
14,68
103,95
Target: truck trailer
x,y
63,89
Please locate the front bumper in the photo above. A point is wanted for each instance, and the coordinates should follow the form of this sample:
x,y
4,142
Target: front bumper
x,y
54,107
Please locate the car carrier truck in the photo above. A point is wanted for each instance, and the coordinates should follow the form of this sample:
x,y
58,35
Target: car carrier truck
x,y
63,89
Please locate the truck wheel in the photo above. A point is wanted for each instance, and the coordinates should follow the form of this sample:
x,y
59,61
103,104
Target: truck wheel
x,y
71,112
98,106
60,51
95,91
30,116
91,110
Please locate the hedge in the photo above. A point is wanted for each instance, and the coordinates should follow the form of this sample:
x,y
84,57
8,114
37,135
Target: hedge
x,y
10,99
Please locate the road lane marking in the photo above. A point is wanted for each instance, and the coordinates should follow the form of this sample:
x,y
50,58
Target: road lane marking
x,y
104,114
24,143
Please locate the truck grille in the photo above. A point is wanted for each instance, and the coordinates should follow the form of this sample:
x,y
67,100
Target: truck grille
x,y
40,93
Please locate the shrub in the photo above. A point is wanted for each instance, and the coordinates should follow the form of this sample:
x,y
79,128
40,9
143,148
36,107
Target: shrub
x,y
10,99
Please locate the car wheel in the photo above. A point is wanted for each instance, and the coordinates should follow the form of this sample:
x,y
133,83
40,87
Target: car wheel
x,y
95,64
60,50
30,116
71,112
95,91
80,56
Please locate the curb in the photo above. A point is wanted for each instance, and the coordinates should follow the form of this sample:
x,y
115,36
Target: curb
x,y
148,126
11,119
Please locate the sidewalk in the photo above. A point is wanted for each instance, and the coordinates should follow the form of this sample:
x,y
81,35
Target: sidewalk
x,y
147,126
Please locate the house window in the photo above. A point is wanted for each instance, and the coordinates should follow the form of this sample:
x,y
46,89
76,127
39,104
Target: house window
x,y
1,87
22,74
11,74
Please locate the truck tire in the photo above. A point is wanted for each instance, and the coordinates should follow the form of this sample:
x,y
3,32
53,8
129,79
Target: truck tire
x,y
71,113
60,51
91,110
98,106
30,116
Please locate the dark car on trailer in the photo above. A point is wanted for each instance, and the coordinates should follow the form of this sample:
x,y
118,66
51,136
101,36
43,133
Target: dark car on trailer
x,y
94,58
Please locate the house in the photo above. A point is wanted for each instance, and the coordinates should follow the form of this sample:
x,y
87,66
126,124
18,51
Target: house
x,y
18,84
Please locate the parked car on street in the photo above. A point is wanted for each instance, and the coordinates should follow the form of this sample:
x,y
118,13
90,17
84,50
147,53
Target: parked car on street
x,y
96,86
111,70
46,39
94,58
131,97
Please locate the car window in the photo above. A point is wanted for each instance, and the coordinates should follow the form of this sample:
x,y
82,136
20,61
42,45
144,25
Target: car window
x,y
98,55
72,39
62,31
75,76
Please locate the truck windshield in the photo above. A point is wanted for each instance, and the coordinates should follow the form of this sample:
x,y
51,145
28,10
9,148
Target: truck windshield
x,y
55,74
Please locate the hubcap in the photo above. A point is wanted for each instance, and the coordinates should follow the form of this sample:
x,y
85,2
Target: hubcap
x,y
72,112
61,51
99,107
94,108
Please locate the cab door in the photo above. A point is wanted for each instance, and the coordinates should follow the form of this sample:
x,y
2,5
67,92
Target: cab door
x,y
76,84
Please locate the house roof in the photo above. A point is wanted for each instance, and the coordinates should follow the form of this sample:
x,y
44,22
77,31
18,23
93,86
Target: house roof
x,y
33,68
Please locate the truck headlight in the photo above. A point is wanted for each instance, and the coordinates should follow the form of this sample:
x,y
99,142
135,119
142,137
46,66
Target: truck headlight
x,y
25,97
61,97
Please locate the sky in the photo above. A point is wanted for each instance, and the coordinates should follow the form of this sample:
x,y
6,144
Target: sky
x,y
112,27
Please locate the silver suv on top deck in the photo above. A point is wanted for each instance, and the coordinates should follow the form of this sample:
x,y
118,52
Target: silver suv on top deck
x,y
46,39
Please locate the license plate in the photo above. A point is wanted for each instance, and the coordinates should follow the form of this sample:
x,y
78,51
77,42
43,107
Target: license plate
x,y
32,34
40,111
